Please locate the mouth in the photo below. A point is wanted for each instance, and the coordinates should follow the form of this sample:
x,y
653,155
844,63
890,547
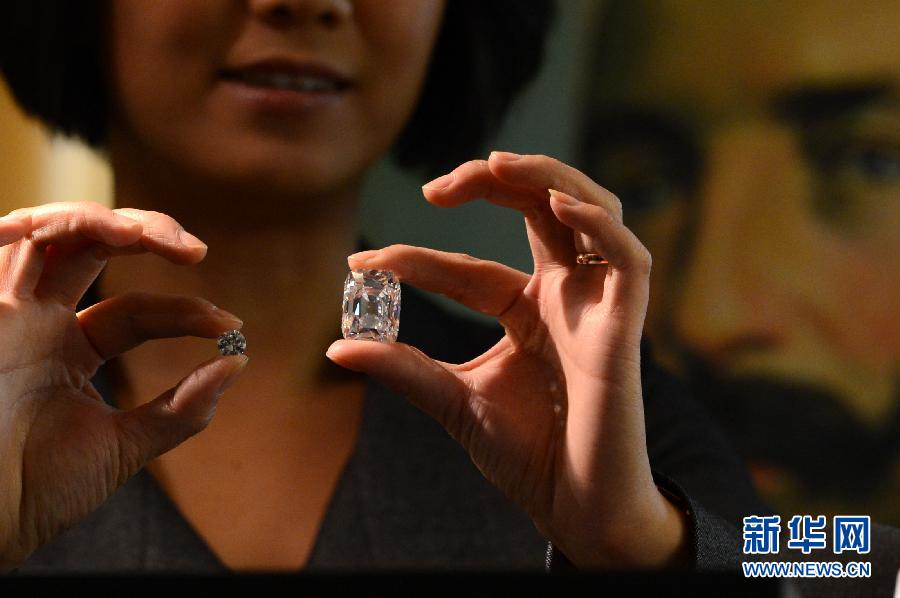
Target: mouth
x,y
288,81
284,81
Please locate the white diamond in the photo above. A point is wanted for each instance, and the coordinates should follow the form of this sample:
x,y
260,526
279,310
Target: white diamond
x,y
371,306
232,343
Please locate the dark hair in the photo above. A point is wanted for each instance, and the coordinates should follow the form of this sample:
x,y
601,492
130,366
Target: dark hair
x,y
51,54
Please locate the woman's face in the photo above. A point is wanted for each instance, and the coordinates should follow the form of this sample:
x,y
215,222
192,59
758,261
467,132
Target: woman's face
x,y
299,97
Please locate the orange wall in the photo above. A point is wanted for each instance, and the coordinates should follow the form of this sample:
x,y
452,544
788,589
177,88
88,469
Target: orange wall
x,y
22,153
37,168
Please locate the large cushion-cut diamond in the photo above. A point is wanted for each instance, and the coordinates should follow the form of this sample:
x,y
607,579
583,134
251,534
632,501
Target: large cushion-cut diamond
x,y
371,306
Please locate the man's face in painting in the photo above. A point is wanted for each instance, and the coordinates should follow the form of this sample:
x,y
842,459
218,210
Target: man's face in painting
x,y
756,149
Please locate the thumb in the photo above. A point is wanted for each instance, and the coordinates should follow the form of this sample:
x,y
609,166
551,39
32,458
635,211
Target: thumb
x,y
157,427
428,384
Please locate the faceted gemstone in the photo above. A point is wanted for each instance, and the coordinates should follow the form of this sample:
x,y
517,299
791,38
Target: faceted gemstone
x,y
232,343
371,306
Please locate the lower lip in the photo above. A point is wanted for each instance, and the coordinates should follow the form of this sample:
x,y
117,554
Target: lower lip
x,y
270,99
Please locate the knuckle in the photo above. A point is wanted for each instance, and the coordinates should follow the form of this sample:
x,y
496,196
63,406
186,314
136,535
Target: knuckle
x,y
471,165
88,205
554,167
457,294
20,211
395,250
471,168
164,222
81,215
616,203
80,221
465,258
134,440
93,207
149,216
644,260
67,207
399,258
558,172
545,160
200,421
130,456
605,216
167,220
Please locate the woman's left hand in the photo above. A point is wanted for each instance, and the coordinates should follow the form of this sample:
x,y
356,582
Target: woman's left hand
x,y
553,413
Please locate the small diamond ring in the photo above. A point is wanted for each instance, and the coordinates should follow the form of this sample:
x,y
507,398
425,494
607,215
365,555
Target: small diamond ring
x,y
591,259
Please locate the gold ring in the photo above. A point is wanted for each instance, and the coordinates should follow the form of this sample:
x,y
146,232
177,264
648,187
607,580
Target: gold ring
x,y
591,259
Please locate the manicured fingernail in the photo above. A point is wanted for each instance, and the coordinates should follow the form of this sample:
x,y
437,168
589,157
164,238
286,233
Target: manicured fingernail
x,y
362,256
20,224
442,182
234,374
190,240
235,321
563,197
333,350
505,156
126,221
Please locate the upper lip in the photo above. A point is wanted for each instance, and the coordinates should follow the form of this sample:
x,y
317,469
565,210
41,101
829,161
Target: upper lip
x,y
290,66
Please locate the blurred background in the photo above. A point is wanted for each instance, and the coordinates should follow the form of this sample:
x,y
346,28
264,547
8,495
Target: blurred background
x,y
756,149
35,168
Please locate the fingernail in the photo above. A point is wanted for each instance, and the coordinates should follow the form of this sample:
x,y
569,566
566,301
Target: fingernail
x,y
332,350
190,240
442,182
563,197
234,374
227,315
505,156
362,256
126,221
24,221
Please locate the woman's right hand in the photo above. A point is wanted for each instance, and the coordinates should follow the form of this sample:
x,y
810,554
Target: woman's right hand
x,y
63,450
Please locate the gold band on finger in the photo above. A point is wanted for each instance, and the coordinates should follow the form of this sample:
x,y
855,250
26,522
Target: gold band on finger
x,y
591,259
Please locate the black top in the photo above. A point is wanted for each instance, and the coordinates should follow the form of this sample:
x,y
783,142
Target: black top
x,y
410,497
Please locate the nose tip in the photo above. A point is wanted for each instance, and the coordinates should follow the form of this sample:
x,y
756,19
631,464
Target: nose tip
x,y
335,12
734,297
330,13
726,323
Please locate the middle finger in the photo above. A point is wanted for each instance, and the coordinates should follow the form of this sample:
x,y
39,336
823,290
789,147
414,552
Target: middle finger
x,y
550,240
79,238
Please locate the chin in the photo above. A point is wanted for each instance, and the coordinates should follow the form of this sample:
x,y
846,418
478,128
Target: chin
x,y
282,172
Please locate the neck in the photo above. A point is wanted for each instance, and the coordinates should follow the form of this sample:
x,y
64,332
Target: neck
x,y
278,263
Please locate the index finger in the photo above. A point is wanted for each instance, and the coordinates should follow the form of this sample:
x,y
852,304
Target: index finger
x,y
74,223
520,182
474,180
164,236
13,228
543,173
72,242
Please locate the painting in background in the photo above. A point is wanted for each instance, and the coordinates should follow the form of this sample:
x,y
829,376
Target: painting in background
x,y
756,149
